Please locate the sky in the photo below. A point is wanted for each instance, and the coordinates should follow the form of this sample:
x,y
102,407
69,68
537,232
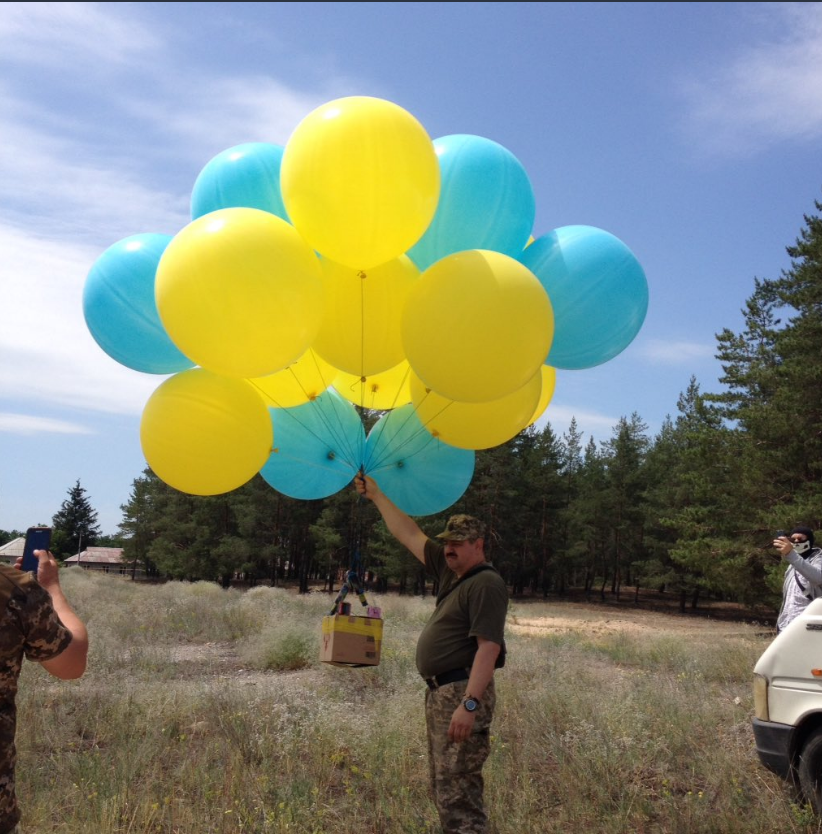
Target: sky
x,y
690,131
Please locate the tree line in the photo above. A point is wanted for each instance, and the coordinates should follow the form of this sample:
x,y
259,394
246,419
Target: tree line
x,y
691,511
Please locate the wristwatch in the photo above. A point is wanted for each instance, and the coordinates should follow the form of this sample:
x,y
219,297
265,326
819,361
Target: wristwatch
x,y
470,703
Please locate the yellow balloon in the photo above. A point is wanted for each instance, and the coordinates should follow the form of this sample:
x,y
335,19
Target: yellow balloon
x,y
239,292
475,425
299,383
360,329
380,392
549,381
477,326
205,434
360,180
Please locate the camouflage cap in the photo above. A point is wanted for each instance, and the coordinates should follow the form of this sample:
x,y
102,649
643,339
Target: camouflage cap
x,y
461,528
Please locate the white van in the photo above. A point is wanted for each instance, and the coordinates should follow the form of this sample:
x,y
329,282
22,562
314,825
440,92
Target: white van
x,y
787,691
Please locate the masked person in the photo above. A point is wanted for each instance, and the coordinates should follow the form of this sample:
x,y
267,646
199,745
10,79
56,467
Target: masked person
x,y
803,576
457,652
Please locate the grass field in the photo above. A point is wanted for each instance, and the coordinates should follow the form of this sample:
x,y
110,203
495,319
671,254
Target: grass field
x,y
207,710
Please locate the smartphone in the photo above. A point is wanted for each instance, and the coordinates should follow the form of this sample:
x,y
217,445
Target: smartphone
x,y
37,538
780,534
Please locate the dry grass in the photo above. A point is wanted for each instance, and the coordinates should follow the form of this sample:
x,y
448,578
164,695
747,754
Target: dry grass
x,y
206,710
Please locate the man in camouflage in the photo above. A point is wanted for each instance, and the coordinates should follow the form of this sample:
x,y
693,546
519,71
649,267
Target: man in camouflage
x,y
36,621
457,652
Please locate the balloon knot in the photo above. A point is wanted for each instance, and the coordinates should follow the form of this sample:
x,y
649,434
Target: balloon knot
x,y
331,455
362,275
400,464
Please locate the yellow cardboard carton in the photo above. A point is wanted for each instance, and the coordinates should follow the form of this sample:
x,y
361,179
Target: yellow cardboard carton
x,y
351,641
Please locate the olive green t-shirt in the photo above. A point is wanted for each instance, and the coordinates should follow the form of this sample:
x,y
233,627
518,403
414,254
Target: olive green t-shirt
x,y
475,608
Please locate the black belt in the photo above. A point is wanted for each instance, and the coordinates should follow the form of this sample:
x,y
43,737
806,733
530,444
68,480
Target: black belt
x,y
448,677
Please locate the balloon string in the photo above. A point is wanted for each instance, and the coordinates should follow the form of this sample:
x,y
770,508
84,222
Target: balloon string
x,y
362,277
382,464
332,422
354,456
391,447
348,455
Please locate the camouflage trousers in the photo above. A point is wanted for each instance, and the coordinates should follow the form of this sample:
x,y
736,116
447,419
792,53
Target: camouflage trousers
x,y
456,768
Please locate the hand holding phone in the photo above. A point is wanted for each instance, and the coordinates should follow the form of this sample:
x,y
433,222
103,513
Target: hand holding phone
x,y
37,538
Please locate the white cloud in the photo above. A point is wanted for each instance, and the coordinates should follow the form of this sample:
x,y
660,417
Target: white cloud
x,y
52,34
671,352
123,163
765,93
26,424
236,110
591,424
52,183
47,354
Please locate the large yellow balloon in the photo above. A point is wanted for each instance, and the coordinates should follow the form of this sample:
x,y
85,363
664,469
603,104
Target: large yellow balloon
x,y
549,382
360,329
477,326
475,425
381,392
299,383
239,292
205,434
360,180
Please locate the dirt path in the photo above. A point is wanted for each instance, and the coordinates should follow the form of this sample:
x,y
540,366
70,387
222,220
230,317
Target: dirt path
x,y
599,619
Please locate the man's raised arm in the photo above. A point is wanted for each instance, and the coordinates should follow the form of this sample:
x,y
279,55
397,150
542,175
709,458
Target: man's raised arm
x,y
404,529
71,662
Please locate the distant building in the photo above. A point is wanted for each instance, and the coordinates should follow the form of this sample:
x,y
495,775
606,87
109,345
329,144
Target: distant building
x,y
106,559
11,550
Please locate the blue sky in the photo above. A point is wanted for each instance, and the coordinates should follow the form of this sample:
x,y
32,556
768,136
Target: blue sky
x,y
691,131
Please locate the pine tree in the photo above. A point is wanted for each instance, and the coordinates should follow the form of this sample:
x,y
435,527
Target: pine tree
x,y
773,406
139,519
621,500
587,529
75,524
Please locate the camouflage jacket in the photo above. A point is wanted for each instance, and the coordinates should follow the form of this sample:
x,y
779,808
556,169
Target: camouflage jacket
x,y
28,626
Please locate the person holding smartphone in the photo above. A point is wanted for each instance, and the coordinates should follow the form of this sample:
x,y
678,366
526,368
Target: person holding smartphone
x,y
803,576
36,622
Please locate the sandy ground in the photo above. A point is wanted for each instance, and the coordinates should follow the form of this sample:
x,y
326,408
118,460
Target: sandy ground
x,y
596,620
599,619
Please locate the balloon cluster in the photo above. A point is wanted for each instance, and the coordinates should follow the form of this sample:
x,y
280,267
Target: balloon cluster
x,y
362,264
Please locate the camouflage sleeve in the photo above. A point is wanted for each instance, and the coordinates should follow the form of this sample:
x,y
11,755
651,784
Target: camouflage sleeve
x,y
44,634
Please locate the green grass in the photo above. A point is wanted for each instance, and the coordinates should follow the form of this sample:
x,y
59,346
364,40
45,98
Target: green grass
x,y
207,710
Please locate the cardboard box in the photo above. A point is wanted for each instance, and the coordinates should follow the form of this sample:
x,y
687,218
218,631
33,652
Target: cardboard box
x,y
351,641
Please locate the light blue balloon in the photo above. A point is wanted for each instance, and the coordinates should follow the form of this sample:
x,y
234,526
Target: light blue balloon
x,y
418,472
245,176
318,447
486,201
597,289
120,311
